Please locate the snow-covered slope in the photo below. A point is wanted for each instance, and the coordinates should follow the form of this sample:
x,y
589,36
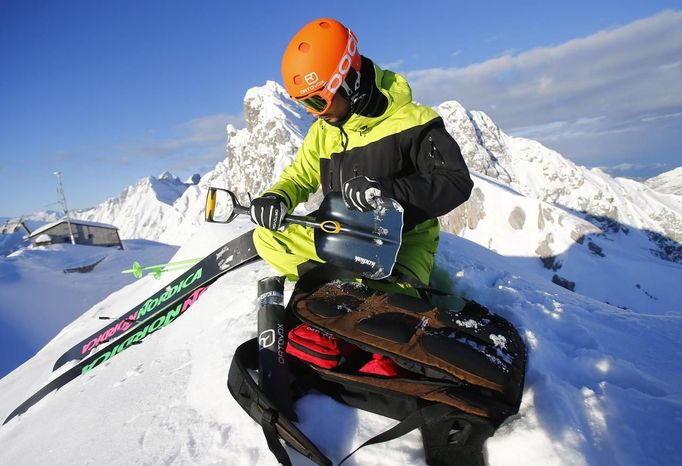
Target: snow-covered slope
x,y
668,183
585,256
39,298
603,384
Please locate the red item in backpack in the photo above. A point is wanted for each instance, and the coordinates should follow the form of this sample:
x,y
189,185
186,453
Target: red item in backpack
x,y
316,347
381,365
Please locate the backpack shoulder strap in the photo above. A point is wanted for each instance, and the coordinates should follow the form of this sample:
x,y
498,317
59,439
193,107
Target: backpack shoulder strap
x,y
448,435
255,402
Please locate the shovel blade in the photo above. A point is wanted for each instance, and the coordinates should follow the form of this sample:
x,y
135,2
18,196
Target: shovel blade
x,y
368,242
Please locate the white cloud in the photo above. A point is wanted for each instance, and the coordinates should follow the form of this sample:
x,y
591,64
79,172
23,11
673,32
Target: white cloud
x,y
201,135
394,65
612,82
210,128
661,117
670,66
627,167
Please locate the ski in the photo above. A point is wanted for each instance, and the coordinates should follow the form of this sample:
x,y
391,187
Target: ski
x,y
136,335
232,254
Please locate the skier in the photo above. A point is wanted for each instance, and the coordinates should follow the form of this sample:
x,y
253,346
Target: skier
x,y
370,140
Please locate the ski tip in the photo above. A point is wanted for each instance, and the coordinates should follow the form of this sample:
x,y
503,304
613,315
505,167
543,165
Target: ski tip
x,y
17,412
60,362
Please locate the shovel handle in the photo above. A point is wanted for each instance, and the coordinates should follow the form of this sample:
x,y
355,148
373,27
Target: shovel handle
x,y
328,226
332,227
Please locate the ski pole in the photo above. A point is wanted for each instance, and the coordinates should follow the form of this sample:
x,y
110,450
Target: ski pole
x,y
137,270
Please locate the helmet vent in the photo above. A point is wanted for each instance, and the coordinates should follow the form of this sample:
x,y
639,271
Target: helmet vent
x,y
325,25
298,80
304,47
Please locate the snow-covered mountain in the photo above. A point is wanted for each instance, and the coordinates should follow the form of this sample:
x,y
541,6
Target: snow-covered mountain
x,y
541,173
274,130
167,210
572,222
668,183
257,154
144,210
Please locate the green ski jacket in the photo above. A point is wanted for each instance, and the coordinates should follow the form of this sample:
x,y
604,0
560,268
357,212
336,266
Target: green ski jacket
x,y
403,145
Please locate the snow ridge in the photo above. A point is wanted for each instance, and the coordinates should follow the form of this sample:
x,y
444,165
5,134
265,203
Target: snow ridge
x,y
668,183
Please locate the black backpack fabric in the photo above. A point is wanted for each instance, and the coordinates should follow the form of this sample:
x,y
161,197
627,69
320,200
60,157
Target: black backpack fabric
x,y
460,374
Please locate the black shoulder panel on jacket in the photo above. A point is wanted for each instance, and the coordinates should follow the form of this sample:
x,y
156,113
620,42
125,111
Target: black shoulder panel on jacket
x,y
421,167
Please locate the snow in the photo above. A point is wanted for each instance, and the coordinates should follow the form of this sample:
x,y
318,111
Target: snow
x,y
38,299
669,182
603,383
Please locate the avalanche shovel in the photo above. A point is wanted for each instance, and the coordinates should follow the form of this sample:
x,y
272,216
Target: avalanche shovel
x,y
364,242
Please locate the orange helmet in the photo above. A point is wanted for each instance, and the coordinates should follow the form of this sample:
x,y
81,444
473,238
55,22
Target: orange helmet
x,y
317,61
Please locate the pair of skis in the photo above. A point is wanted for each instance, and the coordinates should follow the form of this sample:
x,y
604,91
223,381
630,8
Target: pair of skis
x,y
367,242
160,310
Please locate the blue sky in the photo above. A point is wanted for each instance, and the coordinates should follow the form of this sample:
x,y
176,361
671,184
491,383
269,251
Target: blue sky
x,y
109,92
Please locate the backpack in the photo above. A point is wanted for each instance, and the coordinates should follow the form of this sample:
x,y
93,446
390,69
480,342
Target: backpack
x,y
456,375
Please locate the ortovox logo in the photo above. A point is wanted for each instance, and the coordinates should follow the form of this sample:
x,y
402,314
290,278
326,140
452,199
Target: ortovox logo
x,y
311,78
266,338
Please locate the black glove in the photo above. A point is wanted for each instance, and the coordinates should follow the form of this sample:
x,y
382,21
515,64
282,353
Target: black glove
x,y
268,211
360,193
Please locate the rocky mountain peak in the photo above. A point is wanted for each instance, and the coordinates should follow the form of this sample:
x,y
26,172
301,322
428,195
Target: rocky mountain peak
x,y
256,154
166,175
473,131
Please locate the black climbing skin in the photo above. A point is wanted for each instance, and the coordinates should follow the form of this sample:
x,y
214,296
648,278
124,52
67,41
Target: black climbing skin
x,y
464,357
409,303
393,326
334,306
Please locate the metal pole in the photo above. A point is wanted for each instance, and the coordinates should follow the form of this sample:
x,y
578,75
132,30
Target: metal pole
x,y
60,191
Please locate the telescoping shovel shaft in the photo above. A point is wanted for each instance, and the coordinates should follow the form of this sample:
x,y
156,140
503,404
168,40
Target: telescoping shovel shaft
x,y
365,242
328,226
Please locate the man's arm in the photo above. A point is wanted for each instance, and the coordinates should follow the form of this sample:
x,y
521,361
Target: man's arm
x,y
442,180
301,178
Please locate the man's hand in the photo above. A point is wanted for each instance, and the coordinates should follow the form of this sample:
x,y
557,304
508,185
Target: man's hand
x,y
360,193
268,211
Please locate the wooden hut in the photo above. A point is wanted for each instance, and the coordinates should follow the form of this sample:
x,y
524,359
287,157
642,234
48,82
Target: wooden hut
x,y
88,233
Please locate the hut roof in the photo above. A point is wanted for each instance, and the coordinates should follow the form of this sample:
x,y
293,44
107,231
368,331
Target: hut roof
x,y
44,228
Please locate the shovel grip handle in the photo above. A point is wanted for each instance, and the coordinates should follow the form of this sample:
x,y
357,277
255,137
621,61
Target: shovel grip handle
x,y
328,226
